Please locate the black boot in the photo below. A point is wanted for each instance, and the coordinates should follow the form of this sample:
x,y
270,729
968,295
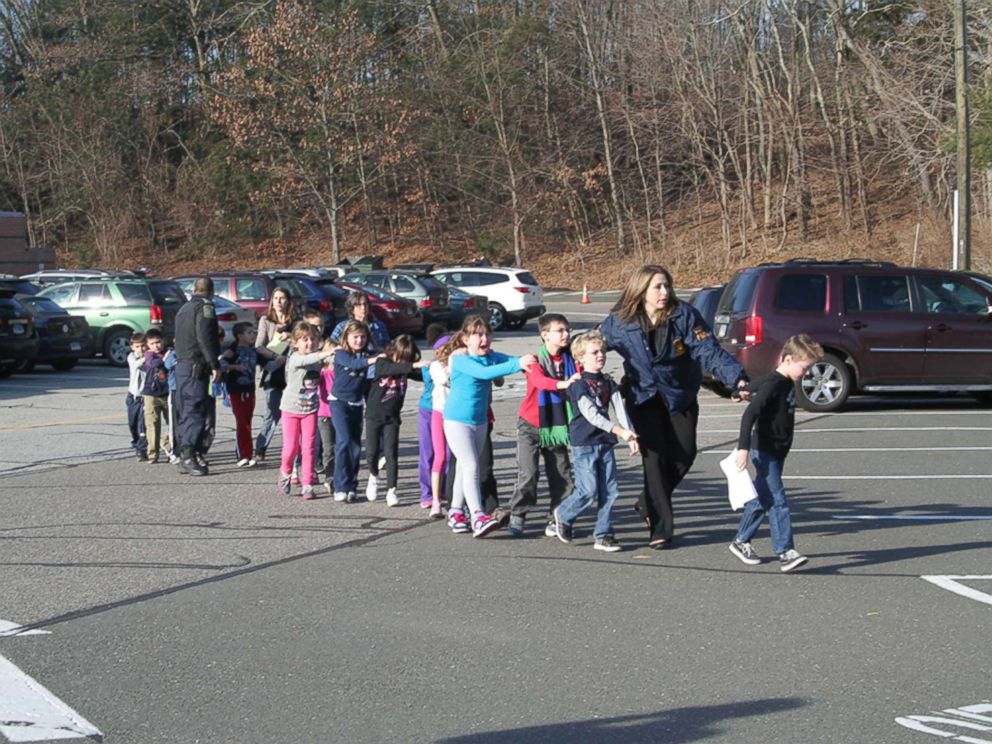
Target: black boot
x,y
188,463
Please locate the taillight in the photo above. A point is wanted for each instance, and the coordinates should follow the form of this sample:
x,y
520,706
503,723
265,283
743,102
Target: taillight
x,y
753,331
522,290
469,303
326,306
426,302
155,313
227,317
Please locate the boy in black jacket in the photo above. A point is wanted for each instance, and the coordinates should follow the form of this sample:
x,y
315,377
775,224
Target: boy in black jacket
x,y
772,413
592,436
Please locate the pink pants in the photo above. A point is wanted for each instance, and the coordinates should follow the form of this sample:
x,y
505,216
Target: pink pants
x,y
298,433
438,443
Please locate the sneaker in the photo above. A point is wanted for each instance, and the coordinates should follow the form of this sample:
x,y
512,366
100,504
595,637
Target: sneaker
x,y
252,462
745,552
382,462
458,522
517,525
562,531
260,456
608,544
153,459
308,493
352,497
202,460
243,462
295,477
501,515
791,559
340,495
483,524
436,511
550,530
173,459
141,456
285,484
372,489
426,503
391,498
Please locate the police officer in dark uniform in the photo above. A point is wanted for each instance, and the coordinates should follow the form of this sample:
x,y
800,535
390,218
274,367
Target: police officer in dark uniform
x,y
197,352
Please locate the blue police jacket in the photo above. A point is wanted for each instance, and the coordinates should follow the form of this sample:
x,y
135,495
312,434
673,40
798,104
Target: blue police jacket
x,y
671,373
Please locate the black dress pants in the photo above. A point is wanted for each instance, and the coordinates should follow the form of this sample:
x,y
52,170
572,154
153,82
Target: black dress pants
x,y
668,449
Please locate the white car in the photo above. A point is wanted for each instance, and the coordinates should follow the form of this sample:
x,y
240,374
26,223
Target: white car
x,y
514,295
230,313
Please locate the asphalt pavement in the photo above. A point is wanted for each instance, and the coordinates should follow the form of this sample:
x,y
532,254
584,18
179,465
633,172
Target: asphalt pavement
x,y
180,609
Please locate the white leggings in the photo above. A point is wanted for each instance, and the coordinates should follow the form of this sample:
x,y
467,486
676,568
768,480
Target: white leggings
x,y
466,442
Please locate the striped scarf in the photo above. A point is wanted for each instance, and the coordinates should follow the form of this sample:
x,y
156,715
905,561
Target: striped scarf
x,y
554,410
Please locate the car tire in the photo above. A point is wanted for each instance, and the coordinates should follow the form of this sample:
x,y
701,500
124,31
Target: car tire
x,y
64,365
826,386
984,397
116,347
24,366
7,369
497,316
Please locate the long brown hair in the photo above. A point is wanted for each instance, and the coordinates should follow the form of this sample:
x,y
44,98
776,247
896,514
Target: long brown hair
x,y
351,327
403,349
290,306
443,352
631,302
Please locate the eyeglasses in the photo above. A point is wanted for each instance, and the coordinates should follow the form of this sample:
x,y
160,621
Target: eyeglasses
x,y
560,330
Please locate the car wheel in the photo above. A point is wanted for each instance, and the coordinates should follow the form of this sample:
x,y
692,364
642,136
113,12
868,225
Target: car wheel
x,y
984,397
7,369
117,346
826,386
24,366
64,365
497,316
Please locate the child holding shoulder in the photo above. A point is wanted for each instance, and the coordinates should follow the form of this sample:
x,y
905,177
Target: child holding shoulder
x,y
432,334
155,394
347,404
134,400
400,360
299,408
771,413
593,435
542,425
239,363
472,371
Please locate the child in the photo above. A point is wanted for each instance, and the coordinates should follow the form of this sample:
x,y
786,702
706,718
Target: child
x,y
347,403
772,413
135,404
170,366
315,320
240,362
434,332
440,455
542,425
382,412
472,371
298,408
593,435
325,426
155,394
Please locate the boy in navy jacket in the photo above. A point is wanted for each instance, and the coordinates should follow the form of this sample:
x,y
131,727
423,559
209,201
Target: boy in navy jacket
x,y
593,435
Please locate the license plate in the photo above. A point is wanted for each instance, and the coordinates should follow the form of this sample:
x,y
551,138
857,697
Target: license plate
x,y
75,346
17,329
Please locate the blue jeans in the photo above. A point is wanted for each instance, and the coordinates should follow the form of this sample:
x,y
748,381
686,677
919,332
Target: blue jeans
x,y
271,421
771,499
347,422
594,471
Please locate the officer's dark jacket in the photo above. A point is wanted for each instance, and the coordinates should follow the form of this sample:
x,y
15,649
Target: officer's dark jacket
x,y
672,373
197,334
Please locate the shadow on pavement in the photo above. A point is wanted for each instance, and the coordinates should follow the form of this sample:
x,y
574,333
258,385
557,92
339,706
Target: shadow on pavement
x,y
696,723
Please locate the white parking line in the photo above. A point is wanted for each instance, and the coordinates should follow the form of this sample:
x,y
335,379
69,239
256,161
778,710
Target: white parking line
x,y
913,517
950,583
29,712
821,450
842,429
976,476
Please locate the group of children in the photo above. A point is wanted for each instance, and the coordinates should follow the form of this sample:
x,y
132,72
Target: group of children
x,y
335,387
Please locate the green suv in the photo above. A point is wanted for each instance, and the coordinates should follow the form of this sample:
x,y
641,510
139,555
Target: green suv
x,y
116,308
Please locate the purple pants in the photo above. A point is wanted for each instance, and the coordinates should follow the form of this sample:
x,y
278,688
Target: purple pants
x,y
426,454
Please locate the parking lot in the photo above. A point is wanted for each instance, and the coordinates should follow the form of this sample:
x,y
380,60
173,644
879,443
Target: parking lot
x,y
213,610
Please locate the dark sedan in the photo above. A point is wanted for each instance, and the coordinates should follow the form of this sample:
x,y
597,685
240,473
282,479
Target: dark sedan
x,y
18,336
464,304
63,338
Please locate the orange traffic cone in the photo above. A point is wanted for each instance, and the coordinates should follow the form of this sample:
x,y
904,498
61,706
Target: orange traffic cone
x,y
585,295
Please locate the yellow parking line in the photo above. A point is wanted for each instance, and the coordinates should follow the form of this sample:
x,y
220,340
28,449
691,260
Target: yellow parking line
x,y
64,423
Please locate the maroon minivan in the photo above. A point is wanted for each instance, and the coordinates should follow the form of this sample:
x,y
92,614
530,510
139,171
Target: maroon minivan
x,y
884,328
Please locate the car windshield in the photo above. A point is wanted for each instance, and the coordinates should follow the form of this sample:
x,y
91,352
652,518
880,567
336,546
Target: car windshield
x,y
525,277
737,298
167,293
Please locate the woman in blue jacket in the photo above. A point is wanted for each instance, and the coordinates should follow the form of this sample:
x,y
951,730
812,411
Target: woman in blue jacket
x,y
660,340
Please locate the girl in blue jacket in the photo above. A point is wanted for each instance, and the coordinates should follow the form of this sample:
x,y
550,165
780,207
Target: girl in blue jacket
x,y
661,340
472,370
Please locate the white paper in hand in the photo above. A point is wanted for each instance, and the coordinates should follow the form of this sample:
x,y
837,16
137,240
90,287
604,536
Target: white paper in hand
x,y
741,489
